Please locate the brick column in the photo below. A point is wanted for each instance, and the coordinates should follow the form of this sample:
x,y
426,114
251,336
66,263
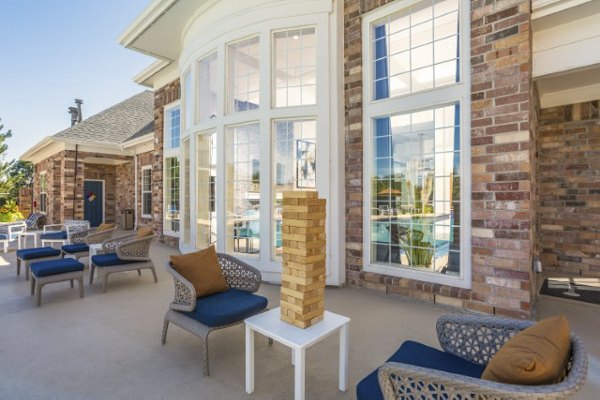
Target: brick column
x,y
502,157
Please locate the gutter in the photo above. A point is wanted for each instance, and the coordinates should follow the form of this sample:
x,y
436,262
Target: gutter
x,y
135,192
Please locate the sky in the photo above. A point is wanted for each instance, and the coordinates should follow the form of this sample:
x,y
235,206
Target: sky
x,y
53,51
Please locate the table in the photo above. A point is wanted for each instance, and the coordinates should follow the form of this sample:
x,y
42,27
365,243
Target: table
x,y
22,238
270,325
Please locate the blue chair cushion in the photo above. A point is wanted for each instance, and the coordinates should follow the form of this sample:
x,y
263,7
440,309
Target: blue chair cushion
x,y
62,235
37,252
75,248
3,236
109,260
229,306
55,267
418,354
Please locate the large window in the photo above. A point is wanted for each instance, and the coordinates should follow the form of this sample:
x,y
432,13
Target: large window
x,y
187,99
243,189
244,68
207,88
171,188
415,178
147,191
294,164
43,193
206,175
172,128
295,70
186,192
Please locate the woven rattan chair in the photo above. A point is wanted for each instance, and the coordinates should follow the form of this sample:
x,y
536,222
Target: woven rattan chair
x,y
125,253
243,281
81,240
474,340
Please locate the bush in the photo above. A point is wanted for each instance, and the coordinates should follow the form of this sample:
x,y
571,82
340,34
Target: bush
x,y
9,212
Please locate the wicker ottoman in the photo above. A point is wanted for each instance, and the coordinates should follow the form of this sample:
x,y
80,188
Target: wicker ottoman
x,y
36,254
43,272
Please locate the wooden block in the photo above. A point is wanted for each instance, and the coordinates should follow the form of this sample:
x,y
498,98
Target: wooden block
x,y
297,194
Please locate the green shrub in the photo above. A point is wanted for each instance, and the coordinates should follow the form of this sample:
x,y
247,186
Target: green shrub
x,y
9,212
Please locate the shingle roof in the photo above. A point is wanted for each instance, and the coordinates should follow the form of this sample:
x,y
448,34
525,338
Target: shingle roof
x,y
130,119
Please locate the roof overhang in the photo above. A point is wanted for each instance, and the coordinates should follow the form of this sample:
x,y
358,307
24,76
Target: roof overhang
x,y
139,145
51,145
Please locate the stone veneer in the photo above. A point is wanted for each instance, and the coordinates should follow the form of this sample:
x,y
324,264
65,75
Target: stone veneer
x,y
162,97
502,163
569,187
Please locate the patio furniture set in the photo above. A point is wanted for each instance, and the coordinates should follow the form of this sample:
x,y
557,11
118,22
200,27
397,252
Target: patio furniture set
x,y
48,264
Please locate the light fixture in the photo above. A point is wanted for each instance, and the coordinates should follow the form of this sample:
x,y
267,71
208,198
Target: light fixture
x,y
295,37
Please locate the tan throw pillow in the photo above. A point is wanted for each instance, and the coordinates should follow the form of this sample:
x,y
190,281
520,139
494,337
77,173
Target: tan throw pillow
x,y
143,232
537,355
105,227
203,271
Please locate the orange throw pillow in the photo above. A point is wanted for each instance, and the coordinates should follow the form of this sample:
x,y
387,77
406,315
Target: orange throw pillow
x,y
537,355
105,227
203,271
143,232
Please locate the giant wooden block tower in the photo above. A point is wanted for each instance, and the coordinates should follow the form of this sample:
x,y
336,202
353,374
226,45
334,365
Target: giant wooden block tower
x,y
303,278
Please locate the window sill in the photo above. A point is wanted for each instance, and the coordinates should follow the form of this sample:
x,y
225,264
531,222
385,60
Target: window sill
x,y
429,277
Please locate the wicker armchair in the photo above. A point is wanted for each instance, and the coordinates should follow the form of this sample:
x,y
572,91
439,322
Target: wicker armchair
x,y
124,253
241,277
81,240
475,340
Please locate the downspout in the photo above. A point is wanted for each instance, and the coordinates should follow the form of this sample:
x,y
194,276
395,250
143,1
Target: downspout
x,y
135,190
75,183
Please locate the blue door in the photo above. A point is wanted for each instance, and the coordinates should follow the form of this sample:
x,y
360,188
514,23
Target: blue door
x,y
93,202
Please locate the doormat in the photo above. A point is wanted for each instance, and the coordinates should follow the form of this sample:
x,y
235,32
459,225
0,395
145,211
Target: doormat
x,y
580,289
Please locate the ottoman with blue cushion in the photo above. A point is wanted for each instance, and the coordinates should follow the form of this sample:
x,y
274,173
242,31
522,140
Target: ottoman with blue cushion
x,y
36,254
76,250
59,270
54,237
419,355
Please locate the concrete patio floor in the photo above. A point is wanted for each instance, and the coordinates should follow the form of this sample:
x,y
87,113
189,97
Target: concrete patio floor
x,y
107,346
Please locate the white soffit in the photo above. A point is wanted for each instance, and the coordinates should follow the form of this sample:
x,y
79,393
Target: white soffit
x,y
574,87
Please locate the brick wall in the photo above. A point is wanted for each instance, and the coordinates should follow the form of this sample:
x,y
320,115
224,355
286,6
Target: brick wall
x,y
25,204
162,97
125,191
569,187
502,162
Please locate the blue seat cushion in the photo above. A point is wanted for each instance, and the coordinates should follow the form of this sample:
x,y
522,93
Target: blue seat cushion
x,y
418,354
3,236
62,235
38,252
110,259
75,248
55,267
229,306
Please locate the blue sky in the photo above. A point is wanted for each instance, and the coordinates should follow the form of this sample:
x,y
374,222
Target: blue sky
x,y
52,52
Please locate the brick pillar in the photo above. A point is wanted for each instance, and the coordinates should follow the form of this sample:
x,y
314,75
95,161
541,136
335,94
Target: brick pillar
x,y
303,277
502,157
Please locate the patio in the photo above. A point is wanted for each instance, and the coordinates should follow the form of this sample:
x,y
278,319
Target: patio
x,y
108,345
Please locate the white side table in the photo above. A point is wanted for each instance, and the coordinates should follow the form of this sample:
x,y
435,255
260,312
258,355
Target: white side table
x,y
270,325
95,249
22,239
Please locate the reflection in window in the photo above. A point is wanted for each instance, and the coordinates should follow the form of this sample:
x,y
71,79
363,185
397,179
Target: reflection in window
x,y
207,88
207,177
416,49
294,161
172,194
172,125
415,196
243,189
186,193
244,85
294,71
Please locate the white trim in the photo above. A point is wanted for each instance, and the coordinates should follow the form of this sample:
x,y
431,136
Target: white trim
x,y
40,175
542,8
171,153
459,92
142,191
164,211
570,96
103,196
144,77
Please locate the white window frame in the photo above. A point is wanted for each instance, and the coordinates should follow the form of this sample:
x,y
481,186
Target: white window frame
x,y
456,93
143,192
171,153
44,192
214,36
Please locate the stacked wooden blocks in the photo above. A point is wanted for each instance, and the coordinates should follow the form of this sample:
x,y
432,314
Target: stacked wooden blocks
x,y
303,278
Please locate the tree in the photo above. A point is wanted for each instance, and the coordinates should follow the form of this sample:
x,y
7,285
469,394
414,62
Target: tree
x,y
4,166
20,174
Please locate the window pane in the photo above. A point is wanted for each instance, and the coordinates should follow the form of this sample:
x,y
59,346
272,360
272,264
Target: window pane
x,y
187,98
186,193
243,189
206,158
415,196
147,191
172,128
207,88
294,166
415,49
295,60
244,88
172,194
